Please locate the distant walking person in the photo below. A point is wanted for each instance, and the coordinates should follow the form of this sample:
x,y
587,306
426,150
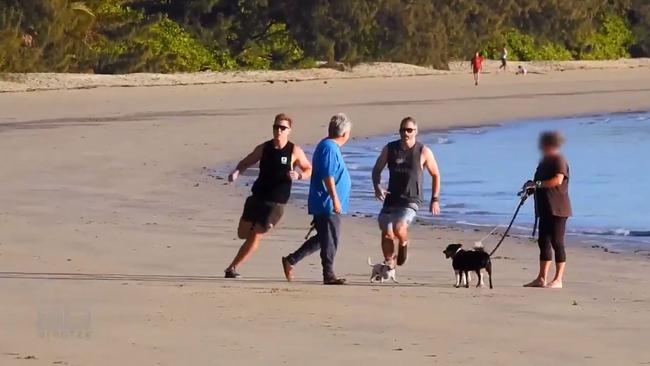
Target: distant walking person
x,y
263,209
329,192
477,67
406,159
504,59
552,206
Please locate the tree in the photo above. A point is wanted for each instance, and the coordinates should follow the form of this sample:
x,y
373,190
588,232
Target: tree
x,y
115,36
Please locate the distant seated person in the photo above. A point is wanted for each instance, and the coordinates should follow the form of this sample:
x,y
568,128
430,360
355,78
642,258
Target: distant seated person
x,y
521,70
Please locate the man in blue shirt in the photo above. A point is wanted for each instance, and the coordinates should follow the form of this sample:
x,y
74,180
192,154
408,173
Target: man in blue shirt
x,y
329,193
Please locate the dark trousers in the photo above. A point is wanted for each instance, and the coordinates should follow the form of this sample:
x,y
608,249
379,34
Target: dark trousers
x,y
328,228
551,238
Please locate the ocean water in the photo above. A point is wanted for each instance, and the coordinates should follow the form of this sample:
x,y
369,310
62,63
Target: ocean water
x,y
483,168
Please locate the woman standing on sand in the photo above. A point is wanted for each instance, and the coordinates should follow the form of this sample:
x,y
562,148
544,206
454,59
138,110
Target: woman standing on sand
x,y
264,208
552,206
477,66
504,59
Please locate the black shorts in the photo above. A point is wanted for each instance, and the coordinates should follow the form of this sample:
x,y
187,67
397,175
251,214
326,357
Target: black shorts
x,y
264,214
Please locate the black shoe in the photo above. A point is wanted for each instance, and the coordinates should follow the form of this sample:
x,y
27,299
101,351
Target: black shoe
x,y
401,254
230,273
334,281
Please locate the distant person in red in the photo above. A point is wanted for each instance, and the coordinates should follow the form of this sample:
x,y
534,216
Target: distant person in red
x,y
477,66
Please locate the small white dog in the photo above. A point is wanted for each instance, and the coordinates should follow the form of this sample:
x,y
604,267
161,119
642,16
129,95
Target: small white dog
x,y
382,272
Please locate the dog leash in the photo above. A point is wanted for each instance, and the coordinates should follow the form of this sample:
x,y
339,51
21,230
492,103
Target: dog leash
x,y
480,241
494,229
312,226
524,194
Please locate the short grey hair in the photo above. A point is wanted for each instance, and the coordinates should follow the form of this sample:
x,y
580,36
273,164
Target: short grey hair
x,y
339,124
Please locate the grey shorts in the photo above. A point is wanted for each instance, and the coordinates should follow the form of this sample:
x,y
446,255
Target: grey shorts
x,y
389,217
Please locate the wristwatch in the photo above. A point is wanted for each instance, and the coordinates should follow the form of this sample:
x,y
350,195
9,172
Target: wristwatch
x,y
434,199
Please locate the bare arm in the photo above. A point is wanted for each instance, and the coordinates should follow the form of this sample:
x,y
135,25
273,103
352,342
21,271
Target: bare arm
x,y
382,160
247,162
432,167
300,161
330,184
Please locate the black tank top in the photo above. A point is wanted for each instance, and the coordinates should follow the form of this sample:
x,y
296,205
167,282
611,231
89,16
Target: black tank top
x,y
405,181
273,184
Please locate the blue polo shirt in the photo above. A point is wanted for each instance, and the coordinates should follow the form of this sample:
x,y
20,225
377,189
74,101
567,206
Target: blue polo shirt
x,y
328,162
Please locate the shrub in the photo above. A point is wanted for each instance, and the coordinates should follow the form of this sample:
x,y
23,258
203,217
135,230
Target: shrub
x,y
612,40
275,49
522,47
138,44
169,41
554,52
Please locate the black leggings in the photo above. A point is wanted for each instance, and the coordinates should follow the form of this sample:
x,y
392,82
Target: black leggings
x,y
551,235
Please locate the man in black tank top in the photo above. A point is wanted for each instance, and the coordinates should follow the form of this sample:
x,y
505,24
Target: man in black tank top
x,y
406,159
263,209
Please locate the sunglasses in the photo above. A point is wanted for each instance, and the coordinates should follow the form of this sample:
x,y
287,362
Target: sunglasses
x,y
280,128
407,130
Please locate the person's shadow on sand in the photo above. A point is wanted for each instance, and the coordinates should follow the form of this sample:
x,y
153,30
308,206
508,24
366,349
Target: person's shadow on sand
x,y
180,279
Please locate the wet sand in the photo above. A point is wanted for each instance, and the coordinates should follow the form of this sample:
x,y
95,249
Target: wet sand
x,y
114,235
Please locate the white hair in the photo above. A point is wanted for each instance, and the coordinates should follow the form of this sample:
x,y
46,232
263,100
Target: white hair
x,y
339,125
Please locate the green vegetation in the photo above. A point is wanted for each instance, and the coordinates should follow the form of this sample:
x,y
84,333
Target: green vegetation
x,y
122,36
612,41
523,47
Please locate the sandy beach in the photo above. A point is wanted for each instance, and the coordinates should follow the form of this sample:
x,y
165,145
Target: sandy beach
x,y
114,235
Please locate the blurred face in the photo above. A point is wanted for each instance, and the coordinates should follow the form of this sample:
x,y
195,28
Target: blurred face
x,y
281,129
408,131
548,150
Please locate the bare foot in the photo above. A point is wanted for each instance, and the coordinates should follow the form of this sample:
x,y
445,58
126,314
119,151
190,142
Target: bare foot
x,y
554,284
538,282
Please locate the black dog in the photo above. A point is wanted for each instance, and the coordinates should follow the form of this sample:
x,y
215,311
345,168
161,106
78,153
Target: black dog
x,y
465,261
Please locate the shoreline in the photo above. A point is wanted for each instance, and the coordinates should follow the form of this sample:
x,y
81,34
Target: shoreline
x,y
33,82
602,241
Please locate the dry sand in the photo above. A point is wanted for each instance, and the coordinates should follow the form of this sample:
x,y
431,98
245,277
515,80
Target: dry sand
x,y
51,81
114,237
